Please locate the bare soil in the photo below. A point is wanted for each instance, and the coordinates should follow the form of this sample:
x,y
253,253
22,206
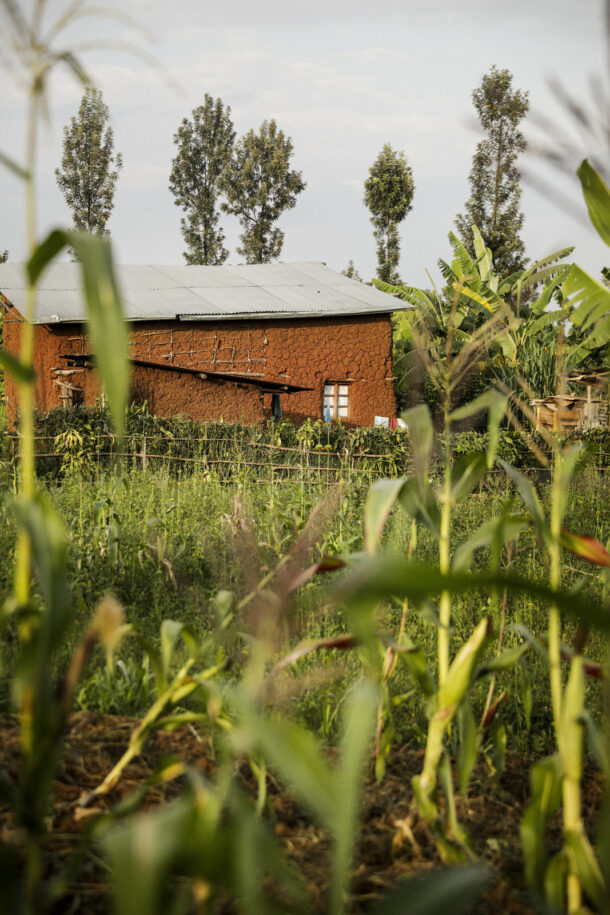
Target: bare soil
x,y
491,815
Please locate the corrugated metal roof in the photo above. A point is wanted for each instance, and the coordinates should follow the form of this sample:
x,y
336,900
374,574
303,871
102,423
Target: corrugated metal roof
x,y
204,293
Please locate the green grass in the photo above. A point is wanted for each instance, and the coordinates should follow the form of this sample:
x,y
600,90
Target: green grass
x,y
165,546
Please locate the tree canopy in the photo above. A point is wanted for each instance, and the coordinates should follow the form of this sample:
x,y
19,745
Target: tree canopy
x,y
204,143
351,272
89,169
495,191
388,194
260,185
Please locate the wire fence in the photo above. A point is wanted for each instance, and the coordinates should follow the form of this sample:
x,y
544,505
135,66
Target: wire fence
x,y
229,458
226,458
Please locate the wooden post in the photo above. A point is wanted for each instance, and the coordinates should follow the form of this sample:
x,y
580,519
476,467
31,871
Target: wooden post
x,y
144,460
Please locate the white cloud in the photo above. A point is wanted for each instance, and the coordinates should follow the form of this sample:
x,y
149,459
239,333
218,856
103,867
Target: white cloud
x,y
341,77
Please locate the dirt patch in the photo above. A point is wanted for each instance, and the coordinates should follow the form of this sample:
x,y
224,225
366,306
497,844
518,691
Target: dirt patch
x,y
491,815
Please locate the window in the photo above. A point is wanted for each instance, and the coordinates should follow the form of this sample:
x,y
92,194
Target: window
x,y
335,402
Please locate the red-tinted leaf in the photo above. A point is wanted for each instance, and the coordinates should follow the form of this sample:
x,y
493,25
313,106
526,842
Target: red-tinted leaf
x,y
593,669
309,645
326,564
586,547
492,711
590,668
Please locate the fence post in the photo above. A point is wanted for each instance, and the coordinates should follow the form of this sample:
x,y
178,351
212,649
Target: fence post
x,y
144,459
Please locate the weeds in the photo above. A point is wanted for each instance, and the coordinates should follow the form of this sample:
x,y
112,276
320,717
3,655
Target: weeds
x,y
253,587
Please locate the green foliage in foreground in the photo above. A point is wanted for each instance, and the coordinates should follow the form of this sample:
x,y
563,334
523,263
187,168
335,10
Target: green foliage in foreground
x,y
165,547
216,842
184,550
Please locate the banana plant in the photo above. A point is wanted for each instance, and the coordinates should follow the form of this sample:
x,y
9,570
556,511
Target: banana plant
x,y
589,298
480,278
526,329
527,347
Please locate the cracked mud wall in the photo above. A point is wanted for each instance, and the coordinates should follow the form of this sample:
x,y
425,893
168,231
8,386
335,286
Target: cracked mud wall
x,y
307,352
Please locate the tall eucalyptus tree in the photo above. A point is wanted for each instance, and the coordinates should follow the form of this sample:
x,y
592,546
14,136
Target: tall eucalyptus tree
x,y
204,144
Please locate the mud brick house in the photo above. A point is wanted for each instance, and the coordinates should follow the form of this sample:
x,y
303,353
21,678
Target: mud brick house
x,y
241,343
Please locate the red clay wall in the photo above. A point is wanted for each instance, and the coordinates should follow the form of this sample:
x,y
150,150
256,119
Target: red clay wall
x,y
307,352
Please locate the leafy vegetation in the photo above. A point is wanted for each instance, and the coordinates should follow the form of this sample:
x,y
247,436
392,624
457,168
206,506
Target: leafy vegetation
x,y
518,349
89,167
213,605
494,179
204,145
259,185
388,194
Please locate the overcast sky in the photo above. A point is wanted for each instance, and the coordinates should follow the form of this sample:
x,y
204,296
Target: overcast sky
x,y
341,77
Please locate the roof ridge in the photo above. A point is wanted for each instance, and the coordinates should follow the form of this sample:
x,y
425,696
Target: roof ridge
x,y
151,292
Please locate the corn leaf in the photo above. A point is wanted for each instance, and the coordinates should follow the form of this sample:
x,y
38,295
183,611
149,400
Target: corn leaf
x,y
461,672
466,473
107,328
587,867
414,660
495,403
16,368
421,435
493,533
49,553
454,890
419,501
325,565
595,740
571,736
13,166
171,631
142,852
526,694
357,729
499,750
586,547
455,844
45,252
545,783
383,576
597,198
469,745
379,503
554,882
530,498
506,660
296,756
340,642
